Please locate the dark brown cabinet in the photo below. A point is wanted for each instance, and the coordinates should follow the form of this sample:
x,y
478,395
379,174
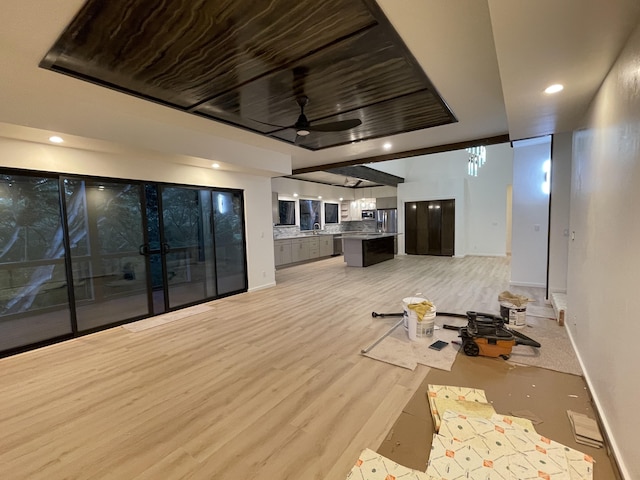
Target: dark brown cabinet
x,y
430,227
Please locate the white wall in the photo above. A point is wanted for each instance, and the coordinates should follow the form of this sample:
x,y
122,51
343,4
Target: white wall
x,y
286,187
481,202
604,260
260,260
487,199
530,213
559,213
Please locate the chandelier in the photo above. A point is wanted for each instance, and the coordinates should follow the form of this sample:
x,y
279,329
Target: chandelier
x,y
477,158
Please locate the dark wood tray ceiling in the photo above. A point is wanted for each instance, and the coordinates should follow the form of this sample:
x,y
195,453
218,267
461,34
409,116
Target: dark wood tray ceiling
x,y
234,62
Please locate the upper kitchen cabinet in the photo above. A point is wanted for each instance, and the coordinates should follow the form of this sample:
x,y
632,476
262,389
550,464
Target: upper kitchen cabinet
x,y
386,202
352,210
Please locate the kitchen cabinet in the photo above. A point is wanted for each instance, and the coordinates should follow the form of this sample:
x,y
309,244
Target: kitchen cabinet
x,y
345,214
282,250
355,211
299,250
364,250
352,210
294,250
314,247
326,245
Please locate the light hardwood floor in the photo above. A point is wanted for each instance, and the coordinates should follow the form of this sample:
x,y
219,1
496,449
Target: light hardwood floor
x,y
268,384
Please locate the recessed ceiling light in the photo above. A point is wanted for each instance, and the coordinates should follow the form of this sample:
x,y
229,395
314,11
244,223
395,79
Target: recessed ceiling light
x,y
215,165
341,198
386,146
56,139
320,197
295,194
555,88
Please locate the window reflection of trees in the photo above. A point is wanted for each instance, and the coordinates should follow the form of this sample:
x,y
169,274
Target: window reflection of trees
x,y
229,241
31,245
309,214
104,221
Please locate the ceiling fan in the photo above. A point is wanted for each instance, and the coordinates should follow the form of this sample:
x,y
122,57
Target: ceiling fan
x,y
303,126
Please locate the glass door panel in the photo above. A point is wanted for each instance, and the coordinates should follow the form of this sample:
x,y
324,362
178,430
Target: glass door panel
x,y
187,245
228,220
106,232
153,249
34,296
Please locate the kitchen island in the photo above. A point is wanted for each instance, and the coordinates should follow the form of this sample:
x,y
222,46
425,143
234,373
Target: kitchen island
x,y
367,249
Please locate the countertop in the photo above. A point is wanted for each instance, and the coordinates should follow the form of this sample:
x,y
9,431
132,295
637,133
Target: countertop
x,y
308,235
360,235
366,236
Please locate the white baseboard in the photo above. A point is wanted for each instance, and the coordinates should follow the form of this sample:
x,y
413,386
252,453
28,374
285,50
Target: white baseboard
x,y
525,284
603,418
262,287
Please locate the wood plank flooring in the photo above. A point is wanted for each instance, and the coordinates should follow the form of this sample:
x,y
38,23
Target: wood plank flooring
x,y
267,384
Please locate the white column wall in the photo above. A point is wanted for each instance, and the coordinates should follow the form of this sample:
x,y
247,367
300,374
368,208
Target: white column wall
x,y
559,214
151,167
530,213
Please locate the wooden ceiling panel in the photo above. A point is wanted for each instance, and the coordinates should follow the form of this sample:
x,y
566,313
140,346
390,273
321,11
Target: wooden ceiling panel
x,y
244,62
365,69
186,51
398,115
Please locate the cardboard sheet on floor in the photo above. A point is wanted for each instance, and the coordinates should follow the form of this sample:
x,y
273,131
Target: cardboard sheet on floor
x,y
454,393
522,421
397,349
471,409
498,448
405,442
540,393
528,414
373,466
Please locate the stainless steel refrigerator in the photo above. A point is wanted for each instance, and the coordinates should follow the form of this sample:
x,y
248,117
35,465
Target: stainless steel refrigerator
x,y
387,220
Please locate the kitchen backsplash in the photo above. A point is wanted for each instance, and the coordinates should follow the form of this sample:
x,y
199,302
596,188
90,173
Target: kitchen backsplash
x,y
281,231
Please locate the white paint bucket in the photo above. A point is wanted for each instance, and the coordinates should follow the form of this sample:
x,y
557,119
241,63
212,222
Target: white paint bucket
x,y
415,327
515,317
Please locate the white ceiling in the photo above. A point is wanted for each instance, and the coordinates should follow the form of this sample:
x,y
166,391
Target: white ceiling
x,y
490,60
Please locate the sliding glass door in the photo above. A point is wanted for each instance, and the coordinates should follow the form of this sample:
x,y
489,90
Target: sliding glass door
x,y
105,223
231,268
34,295
187,245
127,249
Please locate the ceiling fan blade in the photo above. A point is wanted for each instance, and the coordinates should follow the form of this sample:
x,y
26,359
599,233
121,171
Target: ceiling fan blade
x,y
271,124
335,126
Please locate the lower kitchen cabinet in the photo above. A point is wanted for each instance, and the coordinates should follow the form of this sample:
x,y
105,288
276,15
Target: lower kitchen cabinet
x,y
326,245
299,250
314,248
282,250
296,250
